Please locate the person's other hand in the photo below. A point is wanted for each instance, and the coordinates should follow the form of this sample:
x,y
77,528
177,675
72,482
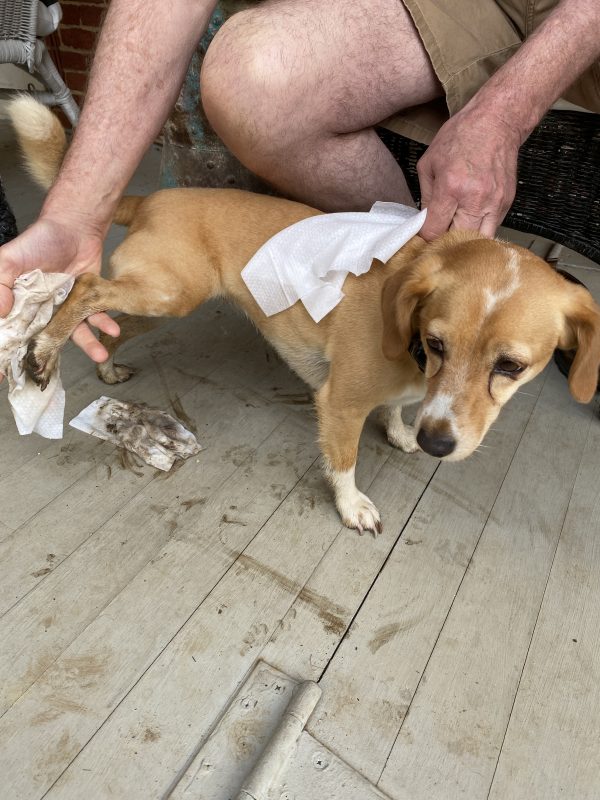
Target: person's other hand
x,y
468,175
56,246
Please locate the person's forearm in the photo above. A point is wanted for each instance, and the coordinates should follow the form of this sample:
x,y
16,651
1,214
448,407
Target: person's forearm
x,y
548,62
142,55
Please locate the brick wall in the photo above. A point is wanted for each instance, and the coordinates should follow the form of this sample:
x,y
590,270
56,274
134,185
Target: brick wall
x,y
73,44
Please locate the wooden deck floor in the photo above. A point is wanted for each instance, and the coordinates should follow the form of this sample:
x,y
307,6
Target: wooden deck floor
x,y
458,653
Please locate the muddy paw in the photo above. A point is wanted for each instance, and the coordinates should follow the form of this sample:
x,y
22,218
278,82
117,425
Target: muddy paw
x,y
404,439
40,362
360,513
114,373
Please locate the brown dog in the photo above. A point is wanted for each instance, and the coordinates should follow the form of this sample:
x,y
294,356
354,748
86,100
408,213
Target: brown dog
x,y
489,315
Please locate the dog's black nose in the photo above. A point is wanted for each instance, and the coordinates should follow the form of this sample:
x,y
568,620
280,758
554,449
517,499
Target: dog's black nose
x,y
435,443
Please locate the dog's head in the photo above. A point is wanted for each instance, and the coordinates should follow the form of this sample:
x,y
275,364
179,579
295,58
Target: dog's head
x,y
489,315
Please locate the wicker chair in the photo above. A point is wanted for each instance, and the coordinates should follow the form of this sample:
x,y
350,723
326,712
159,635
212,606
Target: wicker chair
x,y
22,22
558,192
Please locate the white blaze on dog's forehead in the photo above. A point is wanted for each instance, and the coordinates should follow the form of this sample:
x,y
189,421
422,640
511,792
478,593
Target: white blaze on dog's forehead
x,y
493,297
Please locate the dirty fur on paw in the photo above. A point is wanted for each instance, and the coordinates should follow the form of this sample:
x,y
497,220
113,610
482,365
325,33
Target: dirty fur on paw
x,y
150,433
39,368
36,297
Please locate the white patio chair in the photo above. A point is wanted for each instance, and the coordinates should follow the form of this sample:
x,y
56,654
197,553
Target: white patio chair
x,y
23,23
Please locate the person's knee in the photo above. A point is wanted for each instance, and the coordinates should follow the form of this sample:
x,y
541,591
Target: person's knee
x,y
249,89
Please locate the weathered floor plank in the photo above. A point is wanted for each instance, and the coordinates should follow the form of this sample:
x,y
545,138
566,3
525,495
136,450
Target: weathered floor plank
x,y
42,542
305,642
551,748
449,743
115,649
5,532
39,628
371,680
210,656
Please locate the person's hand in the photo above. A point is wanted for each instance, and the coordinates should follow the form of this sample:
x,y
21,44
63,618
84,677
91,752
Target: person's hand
x,y
468,175
56,246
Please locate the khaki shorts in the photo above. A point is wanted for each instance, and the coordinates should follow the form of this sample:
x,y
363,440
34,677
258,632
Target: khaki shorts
x,y
467,40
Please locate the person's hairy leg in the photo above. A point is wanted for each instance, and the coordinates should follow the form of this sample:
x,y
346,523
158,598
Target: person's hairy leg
x,y
294,88
140,62
468,175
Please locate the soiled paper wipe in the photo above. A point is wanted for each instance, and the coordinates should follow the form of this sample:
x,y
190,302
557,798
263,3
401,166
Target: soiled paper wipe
x,y
148,432
310,260
37,295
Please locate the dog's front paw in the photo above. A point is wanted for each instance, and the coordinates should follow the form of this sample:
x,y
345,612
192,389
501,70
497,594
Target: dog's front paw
x,y
41,360
404,438
357,511
114,373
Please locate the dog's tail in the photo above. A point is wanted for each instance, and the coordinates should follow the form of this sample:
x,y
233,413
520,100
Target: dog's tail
x,y
44,143
41,138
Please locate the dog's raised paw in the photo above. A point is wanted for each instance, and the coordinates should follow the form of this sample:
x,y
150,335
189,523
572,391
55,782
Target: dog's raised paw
x,y
39,363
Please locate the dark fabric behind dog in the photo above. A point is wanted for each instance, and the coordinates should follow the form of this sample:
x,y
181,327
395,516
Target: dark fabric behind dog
x,y
8,224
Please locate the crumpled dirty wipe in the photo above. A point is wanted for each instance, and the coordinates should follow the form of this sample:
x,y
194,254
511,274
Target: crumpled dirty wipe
x,y
151,434
37,295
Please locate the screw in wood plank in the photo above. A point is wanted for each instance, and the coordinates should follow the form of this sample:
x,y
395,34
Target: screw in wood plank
x,y
320,761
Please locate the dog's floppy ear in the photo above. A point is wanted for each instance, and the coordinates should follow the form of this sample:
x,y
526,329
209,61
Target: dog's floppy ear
x,y
400,297
582,331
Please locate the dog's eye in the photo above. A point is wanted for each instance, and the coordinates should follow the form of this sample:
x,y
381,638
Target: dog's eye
x,y
435,344
508,367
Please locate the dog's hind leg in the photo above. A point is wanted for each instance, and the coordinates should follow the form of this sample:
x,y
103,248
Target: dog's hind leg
x,y
147,281
130,326
129,294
